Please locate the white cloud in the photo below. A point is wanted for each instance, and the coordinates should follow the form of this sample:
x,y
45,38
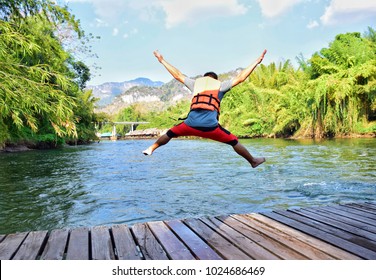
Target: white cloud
x,y
105,9
115,31
312,24
176,11
134,31
100,23
340,11
274,8
182,11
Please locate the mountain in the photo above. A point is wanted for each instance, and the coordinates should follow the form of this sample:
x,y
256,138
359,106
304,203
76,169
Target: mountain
x,y
154,96
108,91
151,98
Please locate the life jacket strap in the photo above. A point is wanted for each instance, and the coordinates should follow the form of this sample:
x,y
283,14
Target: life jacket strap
x,y
205,101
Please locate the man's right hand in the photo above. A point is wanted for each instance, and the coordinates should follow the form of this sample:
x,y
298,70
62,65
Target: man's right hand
x,y
158,56
171,69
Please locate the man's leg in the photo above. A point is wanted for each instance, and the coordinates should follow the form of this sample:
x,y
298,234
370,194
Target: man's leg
x,y
242,151
222,135
179,130
164,139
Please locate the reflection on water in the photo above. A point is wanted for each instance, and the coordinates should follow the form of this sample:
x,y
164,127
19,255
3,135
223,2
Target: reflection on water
x,y
113,182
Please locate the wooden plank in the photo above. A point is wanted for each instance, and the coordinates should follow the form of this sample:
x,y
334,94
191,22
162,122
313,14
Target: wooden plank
x,y
78,244
341,230
10,245
149,245
125,245
356,211
56,243
277,248
329,249
248,246
349,214
175,249
196,245
359,212
101,244
311,252
369,206
345,231
349,220
311,228
32,246
219,244
362,208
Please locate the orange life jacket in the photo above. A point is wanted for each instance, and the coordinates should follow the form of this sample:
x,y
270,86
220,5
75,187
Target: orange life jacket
x,y
206,91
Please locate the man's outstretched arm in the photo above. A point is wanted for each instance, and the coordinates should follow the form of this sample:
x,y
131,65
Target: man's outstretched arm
x,y
243,75
173,71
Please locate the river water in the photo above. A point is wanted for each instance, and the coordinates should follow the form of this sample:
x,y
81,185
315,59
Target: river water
x,y
113,182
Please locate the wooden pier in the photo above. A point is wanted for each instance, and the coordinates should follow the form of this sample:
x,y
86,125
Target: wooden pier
x,y
329,232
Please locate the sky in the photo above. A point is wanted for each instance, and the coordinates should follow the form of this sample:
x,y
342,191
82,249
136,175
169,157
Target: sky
x,y
197,36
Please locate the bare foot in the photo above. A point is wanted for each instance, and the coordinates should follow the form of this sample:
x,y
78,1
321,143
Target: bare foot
x,y
147,152
257,162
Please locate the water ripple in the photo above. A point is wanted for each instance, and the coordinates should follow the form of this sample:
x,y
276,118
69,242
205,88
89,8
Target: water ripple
x,y
112,182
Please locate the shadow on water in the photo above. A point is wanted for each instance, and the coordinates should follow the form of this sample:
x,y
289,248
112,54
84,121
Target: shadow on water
x,y
112,182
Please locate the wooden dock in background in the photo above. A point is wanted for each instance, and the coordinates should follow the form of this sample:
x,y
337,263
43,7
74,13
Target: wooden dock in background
x,y
320,233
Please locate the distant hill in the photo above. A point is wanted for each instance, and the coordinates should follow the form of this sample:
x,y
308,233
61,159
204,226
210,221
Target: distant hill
x,y
151,98
108,91
154,96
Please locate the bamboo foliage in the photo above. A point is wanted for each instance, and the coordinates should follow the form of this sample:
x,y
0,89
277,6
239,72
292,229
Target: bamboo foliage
x,y
332,94
342,86
26,88
39,81
268,104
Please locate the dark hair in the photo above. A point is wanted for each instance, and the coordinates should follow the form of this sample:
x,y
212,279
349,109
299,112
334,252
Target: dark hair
x,y
211,74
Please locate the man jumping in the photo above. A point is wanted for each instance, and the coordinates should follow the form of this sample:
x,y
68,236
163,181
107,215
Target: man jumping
x,y
202,120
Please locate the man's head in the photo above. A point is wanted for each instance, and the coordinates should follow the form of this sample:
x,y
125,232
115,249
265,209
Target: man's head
x,y
211,74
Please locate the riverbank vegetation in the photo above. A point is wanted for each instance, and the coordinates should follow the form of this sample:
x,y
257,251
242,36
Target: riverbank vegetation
x,y
331,94
42,102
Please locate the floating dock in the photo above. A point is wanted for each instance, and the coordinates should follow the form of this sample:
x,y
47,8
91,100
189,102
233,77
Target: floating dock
x,y
319,233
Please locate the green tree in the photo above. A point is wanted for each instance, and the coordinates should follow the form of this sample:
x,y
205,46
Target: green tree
x,y
269,103
342,87
85,118
40,95
30,88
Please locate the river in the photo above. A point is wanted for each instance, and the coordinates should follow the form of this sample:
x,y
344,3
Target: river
x,y
113,182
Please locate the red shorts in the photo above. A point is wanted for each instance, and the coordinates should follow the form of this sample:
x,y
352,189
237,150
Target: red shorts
x,y
215,133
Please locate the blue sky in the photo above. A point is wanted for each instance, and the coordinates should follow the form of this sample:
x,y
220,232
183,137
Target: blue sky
x,y
198,36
